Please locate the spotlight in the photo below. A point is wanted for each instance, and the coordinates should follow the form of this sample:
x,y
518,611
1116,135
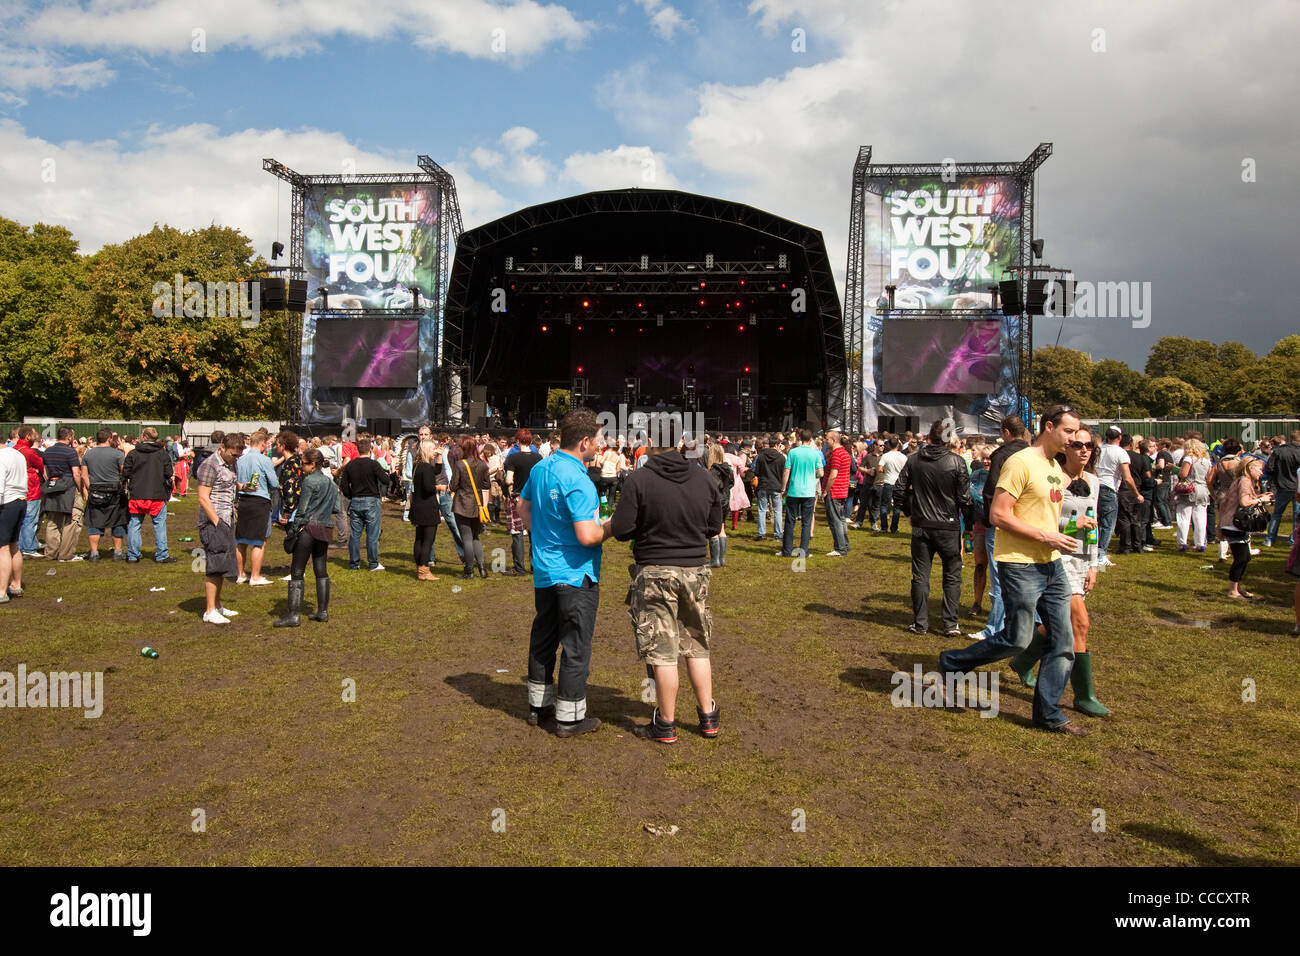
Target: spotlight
x,y
545,328
586,303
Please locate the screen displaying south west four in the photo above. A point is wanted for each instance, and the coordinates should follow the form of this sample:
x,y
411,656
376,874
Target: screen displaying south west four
x,y
942,244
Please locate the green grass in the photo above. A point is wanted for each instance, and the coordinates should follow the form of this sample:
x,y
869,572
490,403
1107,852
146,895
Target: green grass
x,y
247,723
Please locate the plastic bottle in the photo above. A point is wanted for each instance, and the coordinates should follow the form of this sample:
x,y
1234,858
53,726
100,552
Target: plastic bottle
x,y
968,542
148,651
1072,526
605,510
1092,532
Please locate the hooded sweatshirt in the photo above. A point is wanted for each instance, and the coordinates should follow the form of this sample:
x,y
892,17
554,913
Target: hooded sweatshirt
x,y
148,472
671,508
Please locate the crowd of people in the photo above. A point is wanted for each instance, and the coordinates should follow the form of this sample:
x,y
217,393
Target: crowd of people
x,y
1038,514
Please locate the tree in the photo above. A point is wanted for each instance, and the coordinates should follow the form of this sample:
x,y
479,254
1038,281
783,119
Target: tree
x,y
128,361
1288,347
37,266
1172,397
1195,361
1271,387
1115,385
1062,376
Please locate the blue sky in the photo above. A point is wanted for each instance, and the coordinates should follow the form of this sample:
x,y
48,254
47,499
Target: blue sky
x,y
1145,184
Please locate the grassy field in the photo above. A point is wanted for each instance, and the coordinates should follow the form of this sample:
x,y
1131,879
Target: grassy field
x,y
433,762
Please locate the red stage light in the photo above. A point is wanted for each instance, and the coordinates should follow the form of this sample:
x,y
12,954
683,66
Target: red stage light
x,y
544,328
579,369
586,304
741,327
746,369
611,328
738,303
742,281
779,328
580,328
701,302
701,285
640,305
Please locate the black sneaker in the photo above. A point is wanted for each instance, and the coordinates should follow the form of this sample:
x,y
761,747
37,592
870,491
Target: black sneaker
x,y
657,730
540,715
574,728
952,632
917,629
709,721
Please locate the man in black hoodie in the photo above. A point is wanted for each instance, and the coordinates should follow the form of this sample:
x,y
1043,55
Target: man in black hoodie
x,y
933,489
670,509
147,472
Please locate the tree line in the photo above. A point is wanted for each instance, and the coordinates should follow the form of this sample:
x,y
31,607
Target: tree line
x,y
1183,377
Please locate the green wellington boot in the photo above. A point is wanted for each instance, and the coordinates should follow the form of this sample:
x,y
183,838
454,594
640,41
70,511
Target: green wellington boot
x,y
1085,698
1025,662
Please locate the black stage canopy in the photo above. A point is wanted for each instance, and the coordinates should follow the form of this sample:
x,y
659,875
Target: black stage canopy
x,y
647,298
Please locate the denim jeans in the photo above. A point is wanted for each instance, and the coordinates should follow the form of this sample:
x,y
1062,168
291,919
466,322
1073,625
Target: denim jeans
x,y
997,613
769,500
444,505
886,507
134,538
565,622
1026,589
1107,514
27,536
835,518
363,512
1280,501
797,509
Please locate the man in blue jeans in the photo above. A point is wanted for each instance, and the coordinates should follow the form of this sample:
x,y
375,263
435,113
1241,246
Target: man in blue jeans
x,y
803,469
362,481
769,467
1014,438
1284,469
1026,511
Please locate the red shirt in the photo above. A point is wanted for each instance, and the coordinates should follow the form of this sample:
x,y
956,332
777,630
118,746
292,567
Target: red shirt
x,y
35,465
840,462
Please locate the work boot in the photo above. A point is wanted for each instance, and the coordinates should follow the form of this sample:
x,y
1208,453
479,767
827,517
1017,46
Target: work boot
x,y
1025,662
1085,698
293,617
540,715
572,728
322,600
664,732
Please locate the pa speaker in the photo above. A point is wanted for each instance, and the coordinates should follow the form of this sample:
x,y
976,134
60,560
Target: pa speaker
x,y
1060,291
885,423
272,293
296,299
1009,291
913,424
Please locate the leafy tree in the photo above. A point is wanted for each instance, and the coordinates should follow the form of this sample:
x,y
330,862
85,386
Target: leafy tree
x,y
1288,347
37,267
1172,397
1271,387
1116,385
1062,375
128,361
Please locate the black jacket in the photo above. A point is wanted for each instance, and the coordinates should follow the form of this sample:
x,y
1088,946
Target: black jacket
x,y
770,468
671,508
934,489
424,495
995,469
147,471
1283,467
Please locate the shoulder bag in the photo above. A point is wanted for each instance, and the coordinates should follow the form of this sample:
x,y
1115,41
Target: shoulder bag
x,y
483,514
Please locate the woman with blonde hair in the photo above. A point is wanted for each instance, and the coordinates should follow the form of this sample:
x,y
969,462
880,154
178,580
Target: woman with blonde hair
x,y
1242,493
425,510
722,473
1192,495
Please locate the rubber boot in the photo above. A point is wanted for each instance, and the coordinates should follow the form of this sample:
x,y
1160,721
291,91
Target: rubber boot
x,y
322,600
1025,662
722,552
293,617
1085,698
715,553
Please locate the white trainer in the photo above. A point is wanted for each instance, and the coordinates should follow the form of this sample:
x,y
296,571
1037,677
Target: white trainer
x,y
227,612
215,617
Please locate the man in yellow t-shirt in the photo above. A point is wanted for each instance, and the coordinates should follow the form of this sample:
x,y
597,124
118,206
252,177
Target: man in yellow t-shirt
x,y
1026,511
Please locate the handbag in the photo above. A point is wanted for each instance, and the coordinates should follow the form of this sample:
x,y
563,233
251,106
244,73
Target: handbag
x,y
1184,487
291,539
1252,518
483,514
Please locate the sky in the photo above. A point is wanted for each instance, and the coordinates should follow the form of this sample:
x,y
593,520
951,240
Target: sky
x,y
1175,123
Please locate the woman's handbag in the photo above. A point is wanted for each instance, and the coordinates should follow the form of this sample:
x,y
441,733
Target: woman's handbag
x,y
1252,518
483,514
1184,487
291,539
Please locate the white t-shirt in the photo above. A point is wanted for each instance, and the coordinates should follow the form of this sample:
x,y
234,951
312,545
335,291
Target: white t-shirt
x,y
891,464
1109,460
13,475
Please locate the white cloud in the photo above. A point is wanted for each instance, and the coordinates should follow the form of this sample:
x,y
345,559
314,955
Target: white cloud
x,y
620,167
518,138
295,27
665,20
37,69
485,158
188,177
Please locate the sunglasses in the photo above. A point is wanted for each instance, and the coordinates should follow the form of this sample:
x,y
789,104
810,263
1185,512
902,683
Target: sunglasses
x,y
1076,445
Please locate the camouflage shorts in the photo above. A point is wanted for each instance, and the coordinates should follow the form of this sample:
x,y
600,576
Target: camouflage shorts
x,y
670,612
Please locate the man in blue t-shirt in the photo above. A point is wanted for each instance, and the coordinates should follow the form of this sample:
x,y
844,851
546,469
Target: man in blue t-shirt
x,y
559,508
799,482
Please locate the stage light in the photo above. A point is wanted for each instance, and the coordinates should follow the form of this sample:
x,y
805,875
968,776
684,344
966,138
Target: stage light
x,y
586,303
741,328
640,330
510,263
545,328
580,328
742,281
611,328
738,303
753,319
708,261
1037,246
746,369
780,328
645,262
277,250
701,285
415,295
640,305
701,302
781,261
659,320
577,262
579,369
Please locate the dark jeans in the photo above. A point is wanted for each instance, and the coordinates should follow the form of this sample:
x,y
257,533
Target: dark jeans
x,y
1107,514
887,506
801,510
1239,544
363,513
868,504
565,621
1163,512
926,543
836,511
1128,524
1281,498
1027,588
309,549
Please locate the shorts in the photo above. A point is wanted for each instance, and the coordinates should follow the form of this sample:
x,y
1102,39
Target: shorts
x,y
251,525
218,542
670,613
11,521
1076,572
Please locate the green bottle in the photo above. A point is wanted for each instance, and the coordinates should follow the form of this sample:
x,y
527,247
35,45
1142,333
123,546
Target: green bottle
x,y
1072,526
1092,532
605,510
